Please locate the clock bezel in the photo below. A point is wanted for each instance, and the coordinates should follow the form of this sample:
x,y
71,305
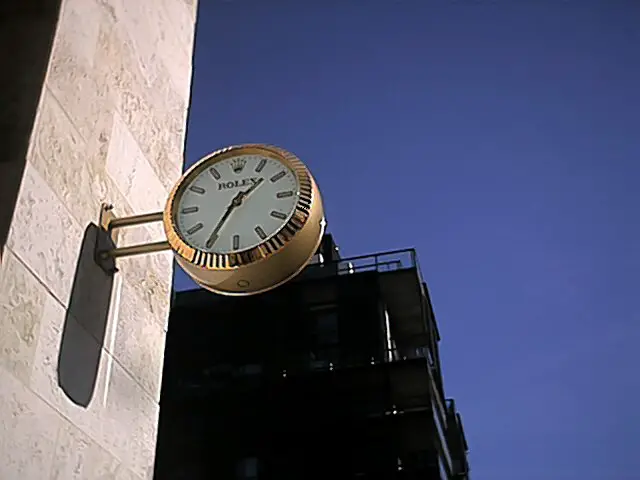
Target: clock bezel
x,y
275,243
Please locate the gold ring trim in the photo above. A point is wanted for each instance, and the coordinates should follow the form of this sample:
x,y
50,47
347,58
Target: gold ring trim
x,y
231,261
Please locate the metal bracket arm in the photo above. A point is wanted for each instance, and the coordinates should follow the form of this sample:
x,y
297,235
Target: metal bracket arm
x,y
107,250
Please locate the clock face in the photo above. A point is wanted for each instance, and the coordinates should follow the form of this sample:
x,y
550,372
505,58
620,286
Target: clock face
x,y
237,203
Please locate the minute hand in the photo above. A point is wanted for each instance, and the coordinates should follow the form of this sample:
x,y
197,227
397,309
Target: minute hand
x,y
214,235
236,202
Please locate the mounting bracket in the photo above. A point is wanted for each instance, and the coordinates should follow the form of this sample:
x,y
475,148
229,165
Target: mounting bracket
x,y
106,250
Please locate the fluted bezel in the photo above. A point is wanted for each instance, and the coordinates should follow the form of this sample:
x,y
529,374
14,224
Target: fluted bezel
x,y
269,247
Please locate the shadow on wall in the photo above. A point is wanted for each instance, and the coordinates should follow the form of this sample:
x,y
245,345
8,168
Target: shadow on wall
x,y
27,28
85,323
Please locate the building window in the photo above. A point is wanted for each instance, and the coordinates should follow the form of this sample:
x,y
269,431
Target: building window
x,y
248,469
324,351
327,328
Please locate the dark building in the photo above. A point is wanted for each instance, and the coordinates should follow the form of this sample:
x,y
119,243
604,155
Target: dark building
x,y
334,375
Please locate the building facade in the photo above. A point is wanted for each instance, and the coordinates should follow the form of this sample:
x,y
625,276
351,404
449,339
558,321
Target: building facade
x,y
334,375
95,96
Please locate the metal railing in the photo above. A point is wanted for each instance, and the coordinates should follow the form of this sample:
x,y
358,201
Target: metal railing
x,y
393,260
327,359
333,357
460,463
441,428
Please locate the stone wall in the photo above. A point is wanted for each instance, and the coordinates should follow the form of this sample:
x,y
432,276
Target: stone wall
x,y
81,352
27,29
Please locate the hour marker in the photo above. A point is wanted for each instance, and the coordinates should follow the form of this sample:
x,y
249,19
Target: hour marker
x,y
260,232
196,189
261,165
195,228
278,176
215,173
236,242
276,214
189,210
211,240
284,194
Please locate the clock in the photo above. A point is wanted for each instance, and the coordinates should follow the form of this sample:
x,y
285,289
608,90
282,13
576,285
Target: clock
x,y
245,219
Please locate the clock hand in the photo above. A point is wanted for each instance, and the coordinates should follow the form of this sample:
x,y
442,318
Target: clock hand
x,y
248,191
252,188
236,202
214,235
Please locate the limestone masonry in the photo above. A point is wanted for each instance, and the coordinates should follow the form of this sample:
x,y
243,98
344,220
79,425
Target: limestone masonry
x,y
110,127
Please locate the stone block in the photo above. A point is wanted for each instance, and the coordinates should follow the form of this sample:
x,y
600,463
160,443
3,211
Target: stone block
x,y
83,184
130,422
56,144
138,23
139,342
22,300
132,173
180,15
174,48
78,457
148,275
157,31
45,381
121,416
78,28
146,101
44,235
28,430
74,76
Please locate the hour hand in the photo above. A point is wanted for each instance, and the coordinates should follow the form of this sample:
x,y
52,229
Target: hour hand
x,y
252,187
236,202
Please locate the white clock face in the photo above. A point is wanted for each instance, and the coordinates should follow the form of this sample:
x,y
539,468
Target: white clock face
x,y
237,204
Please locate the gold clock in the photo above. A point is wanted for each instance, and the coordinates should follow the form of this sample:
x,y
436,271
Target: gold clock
x,y
244,219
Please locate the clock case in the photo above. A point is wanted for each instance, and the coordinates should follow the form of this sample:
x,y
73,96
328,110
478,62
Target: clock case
x,y
271,263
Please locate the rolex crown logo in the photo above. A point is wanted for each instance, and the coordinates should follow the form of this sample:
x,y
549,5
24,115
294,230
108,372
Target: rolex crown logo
x,y
238,164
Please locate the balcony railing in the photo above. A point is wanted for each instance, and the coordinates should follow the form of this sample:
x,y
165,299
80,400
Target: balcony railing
x,y
455,429
441,427
379,262
333,357
206,378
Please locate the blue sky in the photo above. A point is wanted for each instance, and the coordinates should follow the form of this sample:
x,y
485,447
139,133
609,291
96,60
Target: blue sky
x,y
501,139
